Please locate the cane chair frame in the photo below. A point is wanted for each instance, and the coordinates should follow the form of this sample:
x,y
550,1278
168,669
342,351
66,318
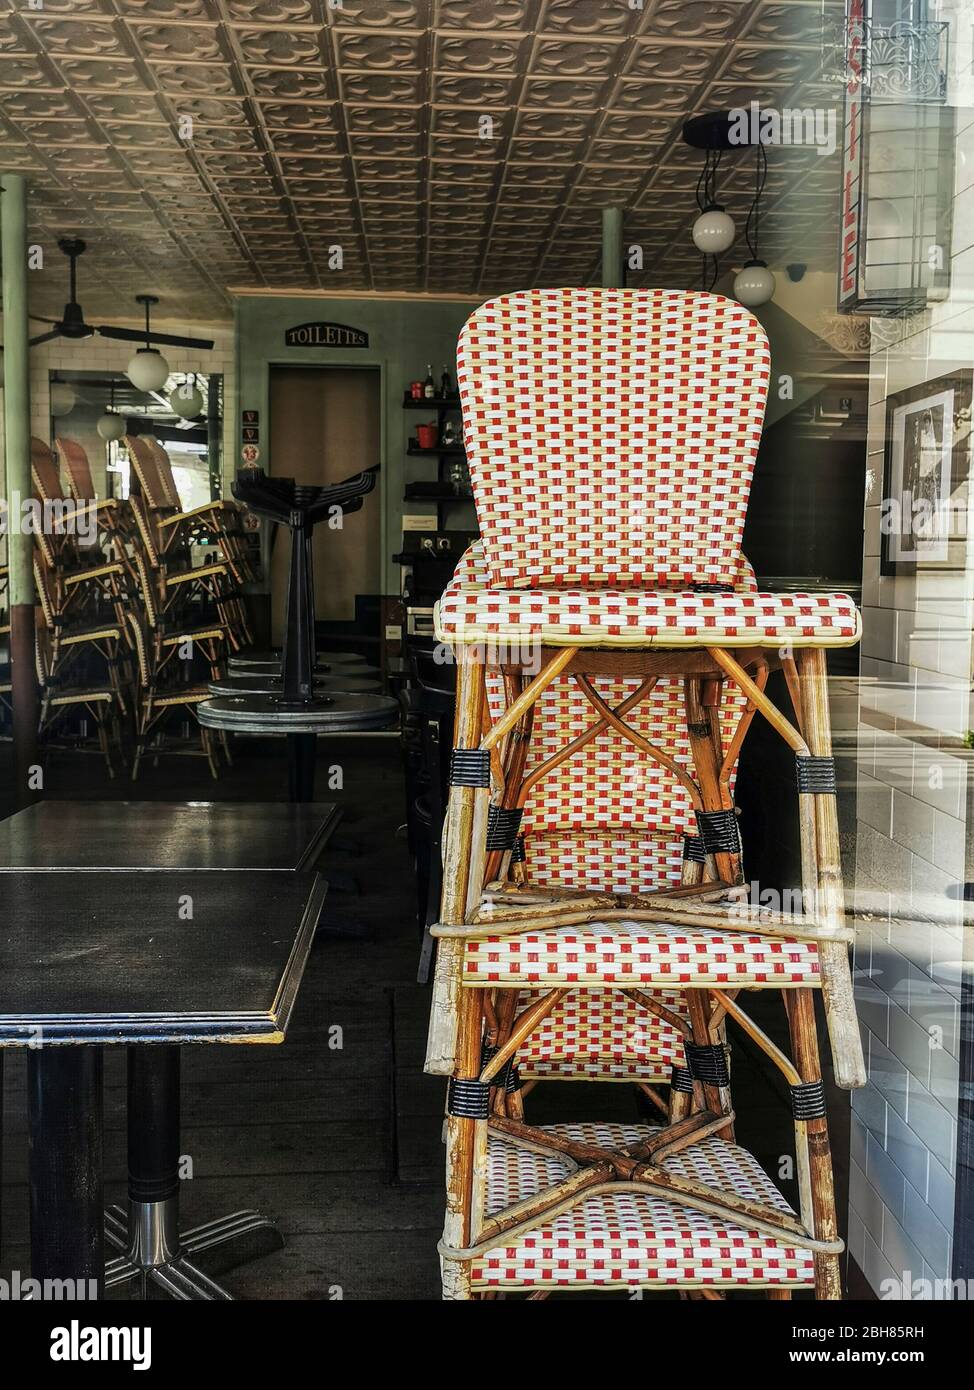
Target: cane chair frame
x,y
153,702
476,902
112,515
165,590
65,644
101,703
173,527
71,586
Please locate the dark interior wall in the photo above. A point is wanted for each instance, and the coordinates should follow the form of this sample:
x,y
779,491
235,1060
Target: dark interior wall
x,y
806,508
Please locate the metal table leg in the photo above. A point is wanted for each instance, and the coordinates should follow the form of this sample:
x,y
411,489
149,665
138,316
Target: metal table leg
x,y
64,1098
151,1247
301,753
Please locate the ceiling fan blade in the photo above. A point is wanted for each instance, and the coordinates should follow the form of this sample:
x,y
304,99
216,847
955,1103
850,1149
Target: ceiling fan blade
x,y
39,318
138,335
45,337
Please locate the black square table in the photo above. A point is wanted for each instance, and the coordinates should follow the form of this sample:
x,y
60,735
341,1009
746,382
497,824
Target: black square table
x,y
110,835
99,871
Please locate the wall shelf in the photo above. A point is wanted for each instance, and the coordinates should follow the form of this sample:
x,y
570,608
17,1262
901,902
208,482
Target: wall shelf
x,y
434,492
431,403
440,451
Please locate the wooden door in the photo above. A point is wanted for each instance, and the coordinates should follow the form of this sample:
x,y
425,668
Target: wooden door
x,y
324,426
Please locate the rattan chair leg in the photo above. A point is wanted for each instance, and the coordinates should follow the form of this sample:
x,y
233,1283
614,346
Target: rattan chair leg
x,y
826,890
466,1145
707,762
800,1006
462,822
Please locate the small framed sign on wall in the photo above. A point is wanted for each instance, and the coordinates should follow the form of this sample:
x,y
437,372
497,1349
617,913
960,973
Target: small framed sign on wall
x,y
321,334
923,516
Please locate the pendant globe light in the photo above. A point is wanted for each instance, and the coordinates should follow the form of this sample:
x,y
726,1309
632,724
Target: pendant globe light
x,y
713,231
63,399
110,425
148,370
187,399
754,284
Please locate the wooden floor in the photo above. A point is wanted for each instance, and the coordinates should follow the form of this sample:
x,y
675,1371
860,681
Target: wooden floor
x,y
339,1145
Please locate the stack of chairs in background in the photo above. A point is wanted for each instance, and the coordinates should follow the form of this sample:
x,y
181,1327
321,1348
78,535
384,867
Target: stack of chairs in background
x,y
139,603
80,616
189,615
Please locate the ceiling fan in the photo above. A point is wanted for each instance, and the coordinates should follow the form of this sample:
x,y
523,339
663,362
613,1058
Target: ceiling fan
x,y
72,324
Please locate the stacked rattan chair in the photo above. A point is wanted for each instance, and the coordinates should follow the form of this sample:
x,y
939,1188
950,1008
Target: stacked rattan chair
x,y
189,615
82,640
612,651
169,685
168,536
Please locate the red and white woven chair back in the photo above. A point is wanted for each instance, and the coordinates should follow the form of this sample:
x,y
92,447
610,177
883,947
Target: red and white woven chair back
x,y
611,434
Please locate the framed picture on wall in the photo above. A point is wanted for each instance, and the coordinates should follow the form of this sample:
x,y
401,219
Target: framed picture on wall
x,y
923,518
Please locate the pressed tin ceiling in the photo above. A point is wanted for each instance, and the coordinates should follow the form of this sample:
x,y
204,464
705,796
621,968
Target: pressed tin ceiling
x,y
313,123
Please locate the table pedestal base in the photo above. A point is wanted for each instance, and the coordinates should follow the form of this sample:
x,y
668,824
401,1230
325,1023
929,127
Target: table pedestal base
x,y
153,1250
151,1247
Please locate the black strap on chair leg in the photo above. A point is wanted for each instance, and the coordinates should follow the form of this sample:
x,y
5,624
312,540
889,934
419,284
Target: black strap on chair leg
x,y
468,1099
707,1063
508,1076
693,850
681,1080
503,824
816,776
470,767
719,832
808,1100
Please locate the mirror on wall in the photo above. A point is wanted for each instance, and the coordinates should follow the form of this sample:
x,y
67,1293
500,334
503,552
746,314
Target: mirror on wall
x,y
98,409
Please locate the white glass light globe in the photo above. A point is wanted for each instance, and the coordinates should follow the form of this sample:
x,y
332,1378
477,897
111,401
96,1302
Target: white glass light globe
x,y
148,370
753,285
186,401
713,231
110,426
63,398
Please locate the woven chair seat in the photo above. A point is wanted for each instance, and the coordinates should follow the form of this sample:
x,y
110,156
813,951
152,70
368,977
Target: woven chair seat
x,y
621,1240
623,954
470,611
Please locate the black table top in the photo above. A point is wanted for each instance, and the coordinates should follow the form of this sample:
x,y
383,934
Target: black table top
x,y
89,958
157,835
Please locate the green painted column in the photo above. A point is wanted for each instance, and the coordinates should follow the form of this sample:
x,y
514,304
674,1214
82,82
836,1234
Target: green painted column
x,y
613,275
16,433
214,427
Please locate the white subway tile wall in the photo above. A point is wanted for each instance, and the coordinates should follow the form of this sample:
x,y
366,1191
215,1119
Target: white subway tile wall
x,y
913,820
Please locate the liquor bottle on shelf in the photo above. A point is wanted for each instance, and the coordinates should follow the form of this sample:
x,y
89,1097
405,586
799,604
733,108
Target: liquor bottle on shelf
x,y
446,386
429,386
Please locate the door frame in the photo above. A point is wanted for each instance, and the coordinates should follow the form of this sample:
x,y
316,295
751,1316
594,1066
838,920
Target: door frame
x,y
354,358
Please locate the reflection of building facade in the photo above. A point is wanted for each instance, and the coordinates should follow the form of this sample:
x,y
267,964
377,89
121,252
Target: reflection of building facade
x,y
914,810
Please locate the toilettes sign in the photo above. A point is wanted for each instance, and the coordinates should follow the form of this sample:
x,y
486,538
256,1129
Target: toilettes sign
x,y
333,335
